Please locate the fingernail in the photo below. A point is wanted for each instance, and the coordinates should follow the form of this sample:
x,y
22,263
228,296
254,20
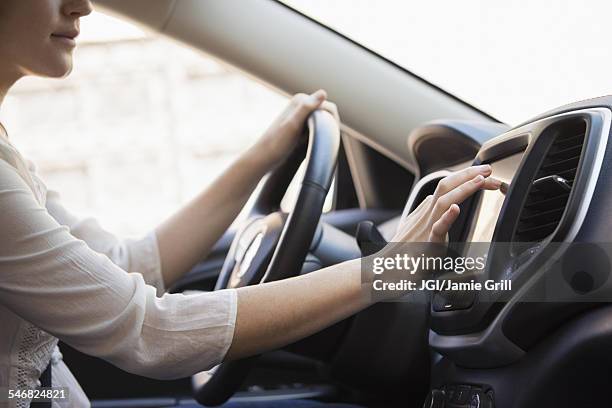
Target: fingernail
x,y
496,183
504,188
478,179
485,167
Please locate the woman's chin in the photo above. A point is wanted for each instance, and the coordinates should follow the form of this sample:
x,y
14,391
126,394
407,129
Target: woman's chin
x,y
55,62
59,69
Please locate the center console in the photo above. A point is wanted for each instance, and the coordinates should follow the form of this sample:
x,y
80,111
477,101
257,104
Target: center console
x,y
551,167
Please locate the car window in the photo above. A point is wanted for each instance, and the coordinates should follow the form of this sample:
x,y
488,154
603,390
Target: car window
x,y
140,126
510,59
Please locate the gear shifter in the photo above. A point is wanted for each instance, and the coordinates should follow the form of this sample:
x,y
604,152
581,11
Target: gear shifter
x,y
369,238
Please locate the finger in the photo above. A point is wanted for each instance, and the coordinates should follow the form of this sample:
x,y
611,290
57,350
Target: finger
x,y
331,108
319,95
456,179
441,227
314,100
491,183
301,106
457,195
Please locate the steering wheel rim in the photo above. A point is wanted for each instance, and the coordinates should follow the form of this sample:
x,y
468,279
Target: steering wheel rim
x,y
272,245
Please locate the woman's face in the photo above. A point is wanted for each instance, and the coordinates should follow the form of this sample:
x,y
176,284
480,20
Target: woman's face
x,y
37,37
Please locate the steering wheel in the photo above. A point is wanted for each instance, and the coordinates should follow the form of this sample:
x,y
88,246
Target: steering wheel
x,y
272,245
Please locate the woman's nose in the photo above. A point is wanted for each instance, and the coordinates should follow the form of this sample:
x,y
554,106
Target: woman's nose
x,y
77,8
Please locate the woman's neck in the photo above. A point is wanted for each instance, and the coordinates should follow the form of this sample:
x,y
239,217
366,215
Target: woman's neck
x,y
2,95
7,80
4,88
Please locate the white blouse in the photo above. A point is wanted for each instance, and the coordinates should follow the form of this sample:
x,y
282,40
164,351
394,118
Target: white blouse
x,y
65,278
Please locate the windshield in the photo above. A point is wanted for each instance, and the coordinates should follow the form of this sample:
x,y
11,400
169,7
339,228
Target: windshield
x,y
512,60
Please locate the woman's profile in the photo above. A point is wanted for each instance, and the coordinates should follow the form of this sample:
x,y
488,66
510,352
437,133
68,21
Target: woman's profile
x,y
64,278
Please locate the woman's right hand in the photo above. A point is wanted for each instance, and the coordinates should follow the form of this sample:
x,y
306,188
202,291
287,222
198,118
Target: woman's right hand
x,y
425,230
432,219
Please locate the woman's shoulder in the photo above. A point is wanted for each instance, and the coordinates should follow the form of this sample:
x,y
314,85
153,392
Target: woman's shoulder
x,y
9,155
12,164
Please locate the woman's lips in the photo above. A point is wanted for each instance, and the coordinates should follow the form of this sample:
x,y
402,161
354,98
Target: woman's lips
x,y
67,39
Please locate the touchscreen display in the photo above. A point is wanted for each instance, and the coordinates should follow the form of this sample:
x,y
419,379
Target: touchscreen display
x,y
491,202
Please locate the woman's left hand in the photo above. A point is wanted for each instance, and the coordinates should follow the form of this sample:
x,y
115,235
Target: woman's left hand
x,y
284,133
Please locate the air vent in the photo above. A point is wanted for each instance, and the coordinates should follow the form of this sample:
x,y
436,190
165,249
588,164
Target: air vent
x,y
550,191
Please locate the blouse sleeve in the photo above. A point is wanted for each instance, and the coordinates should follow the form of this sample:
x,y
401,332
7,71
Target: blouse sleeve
x,y
55,281
131,255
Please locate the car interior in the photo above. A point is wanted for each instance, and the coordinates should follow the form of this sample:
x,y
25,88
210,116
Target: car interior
x,y
400,135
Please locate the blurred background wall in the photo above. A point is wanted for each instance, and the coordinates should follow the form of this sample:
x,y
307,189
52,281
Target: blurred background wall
x,y
140,126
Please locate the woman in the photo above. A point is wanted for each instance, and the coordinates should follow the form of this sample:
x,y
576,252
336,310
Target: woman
x,y
64,278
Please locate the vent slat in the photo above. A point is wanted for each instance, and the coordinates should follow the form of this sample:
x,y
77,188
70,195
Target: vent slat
x,y
541,203
542,213
554,167
538,231
539,217
566,153
569,136
569,141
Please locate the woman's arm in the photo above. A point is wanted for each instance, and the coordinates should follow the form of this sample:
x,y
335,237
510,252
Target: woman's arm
x,y
188,235
59,284
274,314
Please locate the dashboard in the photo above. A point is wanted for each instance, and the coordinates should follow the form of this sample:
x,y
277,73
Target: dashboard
x,y
550,166
557,169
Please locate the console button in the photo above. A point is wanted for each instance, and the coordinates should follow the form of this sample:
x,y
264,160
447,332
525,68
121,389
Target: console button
x,y
462,395
435,399
449,300
480,400
450,392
